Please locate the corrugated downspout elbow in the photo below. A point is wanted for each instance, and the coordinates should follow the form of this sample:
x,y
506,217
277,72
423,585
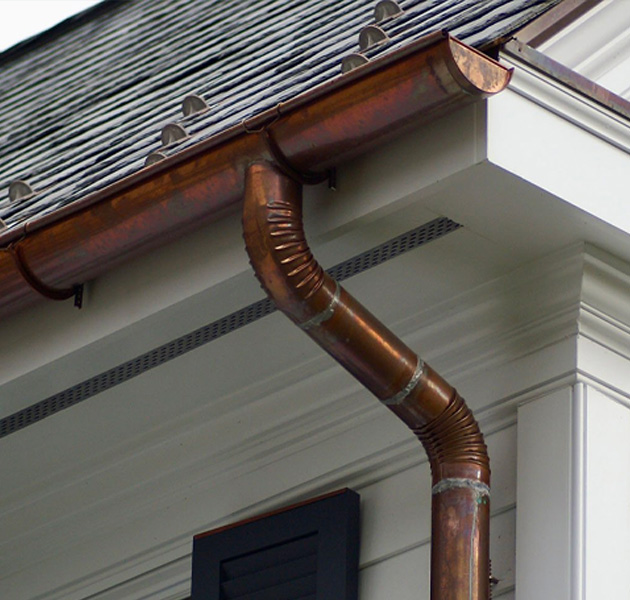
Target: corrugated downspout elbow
x,y
432,409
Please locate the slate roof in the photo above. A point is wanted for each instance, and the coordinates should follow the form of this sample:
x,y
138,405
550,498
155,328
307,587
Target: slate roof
x,y
82,105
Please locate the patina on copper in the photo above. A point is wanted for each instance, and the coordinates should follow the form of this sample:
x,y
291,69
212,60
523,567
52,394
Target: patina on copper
x,y
278,251
340,119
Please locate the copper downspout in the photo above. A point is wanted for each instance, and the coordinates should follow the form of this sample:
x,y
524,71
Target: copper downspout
x,y
331,123
431,408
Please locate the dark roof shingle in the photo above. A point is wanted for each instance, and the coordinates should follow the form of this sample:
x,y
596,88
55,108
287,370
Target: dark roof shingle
x,y
81,106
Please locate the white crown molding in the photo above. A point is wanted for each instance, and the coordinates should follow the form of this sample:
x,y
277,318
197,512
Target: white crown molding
x,y
531,307
603,329
605,306
604,325
572,106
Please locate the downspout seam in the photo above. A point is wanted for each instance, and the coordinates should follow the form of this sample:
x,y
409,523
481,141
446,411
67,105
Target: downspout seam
x,y
401,396
455,483
326,314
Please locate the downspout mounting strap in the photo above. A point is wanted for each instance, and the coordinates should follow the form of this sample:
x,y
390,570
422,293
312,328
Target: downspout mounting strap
x,y
15,250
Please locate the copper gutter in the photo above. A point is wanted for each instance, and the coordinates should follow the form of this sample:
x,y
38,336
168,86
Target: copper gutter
x,y
325,126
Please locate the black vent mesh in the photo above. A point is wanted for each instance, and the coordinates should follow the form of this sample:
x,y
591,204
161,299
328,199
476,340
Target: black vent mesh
x,y
158,356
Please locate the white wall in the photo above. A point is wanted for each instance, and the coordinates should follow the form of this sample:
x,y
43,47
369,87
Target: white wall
x,y
573,496
516,343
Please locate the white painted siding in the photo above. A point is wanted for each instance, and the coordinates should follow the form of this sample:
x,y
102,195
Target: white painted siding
x,y
125,517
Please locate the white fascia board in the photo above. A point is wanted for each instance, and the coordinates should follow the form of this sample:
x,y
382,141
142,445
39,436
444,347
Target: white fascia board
x,y
565,144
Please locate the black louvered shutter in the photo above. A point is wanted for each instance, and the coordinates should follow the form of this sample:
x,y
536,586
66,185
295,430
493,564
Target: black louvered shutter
x,y
308,551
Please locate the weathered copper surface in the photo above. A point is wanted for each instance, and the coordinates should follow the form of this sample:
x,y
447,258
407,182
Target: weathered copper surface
x,y
287,270
334,122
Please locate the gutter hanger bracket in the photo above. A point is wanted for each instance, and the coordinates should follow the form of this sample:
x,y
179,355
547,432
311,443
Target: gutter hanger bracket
x,y
16,252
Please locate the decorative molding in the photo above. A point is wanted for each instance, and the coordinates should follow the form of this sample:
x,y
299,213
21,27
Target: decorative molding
x,y
605,306
525,310
601,328
572,106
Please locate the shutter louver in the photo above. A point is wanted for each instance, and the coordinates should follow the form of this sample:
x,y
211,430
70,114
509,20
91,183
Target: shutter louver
x,y
308,551
282,572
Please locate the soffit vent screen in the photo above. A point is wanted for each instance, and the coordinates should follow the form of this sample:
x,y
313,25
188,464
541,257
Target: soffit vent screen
x,y
308,551
158,356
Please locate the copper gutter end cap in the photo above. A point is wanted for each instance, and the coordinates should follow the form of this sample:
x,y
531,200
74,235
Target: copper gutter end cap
x,y
476,72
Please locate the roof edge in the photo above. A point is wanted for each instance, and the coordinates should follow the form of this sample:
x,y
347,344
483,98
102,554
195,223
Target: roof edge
x,y
568,77
37,39
549,23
